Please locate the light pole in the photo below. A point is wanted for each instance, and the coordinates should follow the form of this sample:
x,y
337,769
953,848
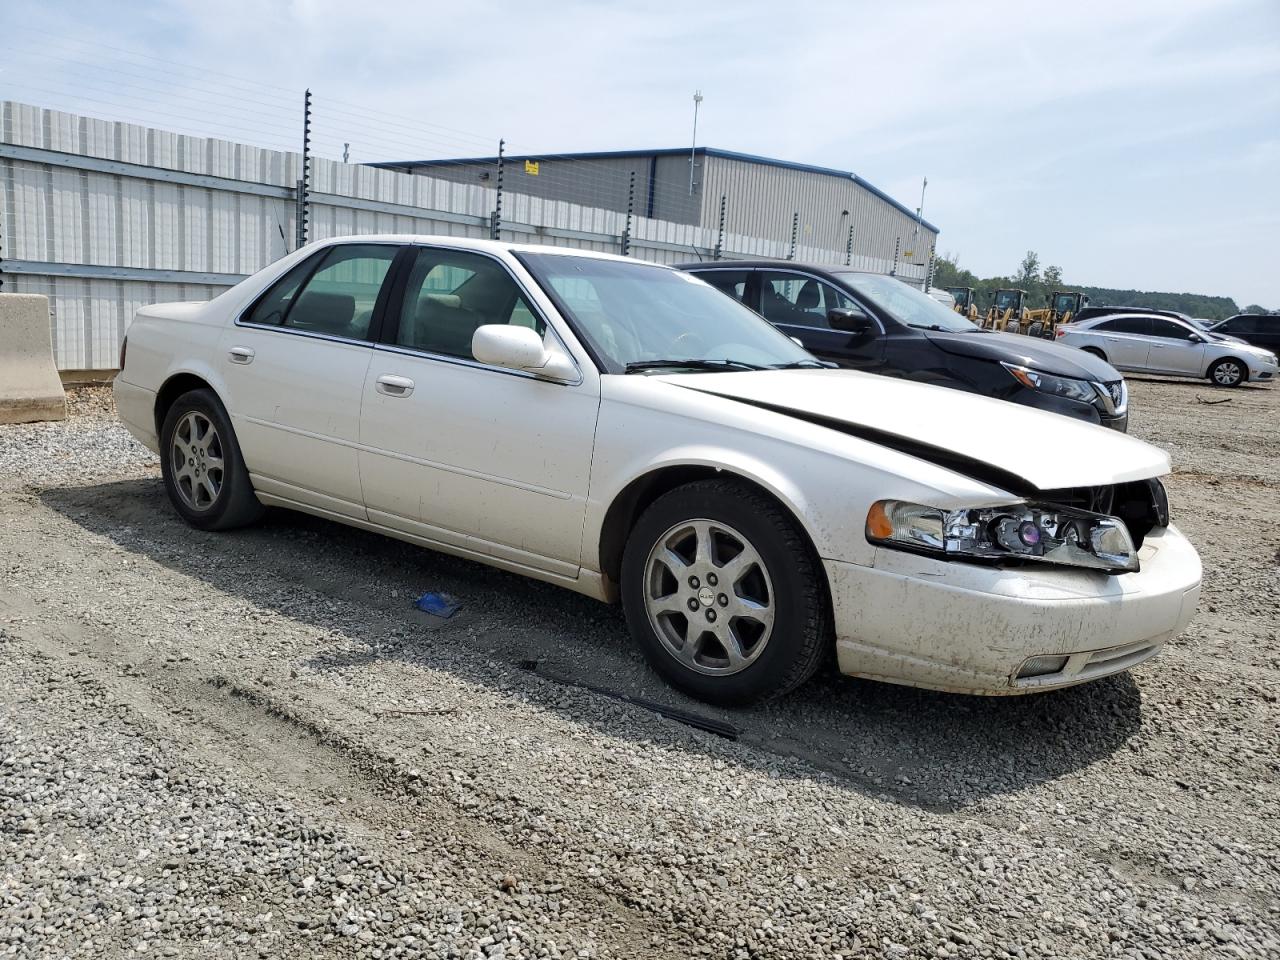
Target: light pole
x,y
693,150
915,236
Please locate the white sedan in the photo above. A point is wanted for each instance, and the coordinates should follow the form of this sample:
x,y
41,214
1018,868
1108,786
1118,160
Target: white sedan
x,y
625,430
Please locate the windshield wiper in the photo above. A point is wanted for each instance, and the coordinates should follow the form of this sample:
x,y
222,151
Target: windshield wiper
x,y
931,326
692,363
803,365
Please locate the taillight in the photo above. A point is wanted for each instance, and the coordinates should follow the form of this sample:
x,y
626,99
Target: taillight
x,y
1059,332
124,346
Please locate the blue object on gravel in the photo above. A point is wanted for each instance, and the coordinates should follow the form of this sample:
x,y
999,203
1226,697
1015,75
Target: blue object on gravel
x,y
438,604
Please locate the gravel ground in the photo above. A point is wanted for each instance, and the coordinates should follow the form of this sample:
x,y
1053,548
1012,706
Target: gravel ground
x,y
252,745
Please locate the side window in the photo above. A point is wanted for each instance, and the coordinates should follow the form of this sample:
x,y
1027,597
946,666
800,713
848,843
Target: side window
x,y
451,293
1138,325
339,298
275,303
1239,325
799,300
1169,330
732,282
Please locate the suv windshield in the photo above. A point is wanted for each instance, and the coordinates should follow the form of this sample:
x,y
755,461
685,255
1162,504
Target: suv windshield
x,y
906,304
645,317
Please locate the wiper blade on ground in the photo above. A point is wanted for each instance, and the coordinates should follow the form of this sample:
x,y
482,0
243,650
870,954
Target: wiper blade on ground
x,y
692,364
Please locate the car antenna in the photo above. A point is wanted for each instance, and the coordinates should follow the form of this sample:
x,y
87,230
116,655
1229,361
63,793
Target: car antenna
x,y
694,248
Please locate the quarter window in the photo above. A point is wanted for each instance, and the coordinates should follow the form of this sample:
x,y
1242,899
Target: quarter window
x,y
732,282
798,300
452,293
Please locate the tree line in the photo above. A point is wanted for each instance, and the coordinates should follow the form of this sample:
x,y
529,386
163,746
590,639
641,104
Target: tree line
x,y
1040,285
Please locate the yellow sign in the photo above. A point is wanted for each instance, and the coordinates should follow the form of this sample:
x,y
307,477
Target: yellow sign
x,y
531,167
908,253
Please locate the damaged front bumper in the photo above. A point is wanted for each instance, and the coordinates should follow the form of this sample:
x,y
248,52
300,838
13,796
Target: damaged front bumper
x,y
969,628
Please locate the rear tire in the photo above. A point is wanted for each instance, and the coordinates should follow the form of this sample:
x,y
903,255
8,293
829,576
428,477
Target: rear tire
x,y
1227,372
724,594
204,473
1095,351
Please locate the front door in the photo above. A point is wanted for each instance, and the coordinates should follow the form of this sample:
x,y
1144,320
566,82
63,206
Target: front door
x,y
294,365
486,459
1175,348
798,304
1125,341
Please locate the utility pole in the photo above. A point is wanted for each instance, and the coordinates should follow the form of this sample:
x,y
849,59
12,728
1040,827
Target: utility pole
x,y
693,150
915,236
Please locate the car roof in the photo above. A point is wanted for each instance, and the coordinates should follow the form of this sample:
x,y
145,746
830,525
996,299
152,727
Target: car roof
x,y
470,243
1135,313
770,263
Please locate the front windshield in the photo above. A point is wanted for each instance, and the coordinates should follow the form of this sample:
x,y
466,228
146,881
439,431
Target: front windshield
x,y
906,304
636,314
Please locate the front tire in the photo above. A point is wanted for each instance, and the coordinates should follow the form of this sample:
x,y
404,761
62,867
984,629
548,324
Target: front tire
x,y
204,473
1227,372
724,595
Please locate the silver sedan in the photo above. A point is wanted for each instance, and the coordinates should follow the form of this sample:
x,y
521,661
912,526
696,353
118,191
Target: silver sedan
x,y
1147,343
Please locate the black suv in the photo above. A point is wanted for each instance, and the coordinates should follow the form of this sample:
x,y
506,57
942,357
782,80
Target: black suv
x,y
867,321
1259,329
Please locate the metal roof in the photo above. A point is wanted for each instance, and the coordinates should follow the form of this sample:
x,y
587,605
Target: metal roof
x,y
666,152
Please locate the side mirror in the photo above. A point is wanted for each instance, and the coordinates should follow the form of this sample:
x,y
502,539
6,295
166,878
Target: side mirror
x,y
520,348
850,321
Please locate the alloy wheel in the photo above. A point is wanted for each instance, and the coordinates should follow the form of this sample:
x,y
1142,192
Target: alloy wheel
x,y
709,597
196,457
1227,373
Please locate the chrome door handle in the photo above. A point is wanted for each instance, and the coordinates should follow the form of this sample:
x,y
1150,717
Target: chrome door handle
x,y
392,386
241,355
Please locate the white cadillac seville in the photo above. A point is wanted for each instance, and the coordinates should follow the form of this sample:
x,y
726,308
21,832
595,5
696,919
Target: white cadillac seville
x,y
627,431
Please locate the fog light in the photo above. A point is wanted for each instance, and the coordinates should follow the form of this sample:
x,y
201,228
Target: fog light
x,y
1042,667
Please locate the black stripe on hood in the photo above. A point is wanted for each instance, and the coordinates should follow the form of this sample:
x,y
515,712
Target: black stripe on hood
x,y
948,459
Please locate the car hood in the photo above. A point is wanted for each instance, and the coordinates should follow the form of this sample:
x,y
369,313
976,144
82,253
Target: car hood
x,y
979,436
1043,356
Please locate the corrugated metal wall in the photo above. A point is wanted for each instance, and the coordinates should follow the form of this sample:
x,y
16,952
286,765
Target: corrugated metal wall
x,y
104,217
590,181
762,200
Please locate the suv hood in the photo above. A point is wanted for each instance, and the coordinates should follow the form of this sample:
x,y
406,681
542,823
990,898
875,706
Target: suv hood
x,y
973,435
1043,356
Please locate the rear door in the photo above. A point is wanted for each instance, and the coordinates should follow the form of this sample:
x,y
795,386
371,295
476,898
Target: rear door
x,y
798,304
1125,341
294,364
1175,348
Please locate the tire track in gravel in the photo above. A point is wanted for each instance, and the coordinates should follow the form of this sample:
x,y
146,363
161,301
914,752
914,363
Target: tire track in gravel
x,y
241,730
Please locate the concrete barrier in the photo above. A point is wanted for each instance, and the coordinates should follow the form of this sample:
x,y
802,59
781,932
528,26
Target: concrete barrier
x,y
29,385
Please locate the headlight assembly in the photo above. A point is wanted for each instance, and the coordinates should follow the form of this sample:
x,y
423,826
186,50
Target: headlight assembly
x,y
1065,387
1021,531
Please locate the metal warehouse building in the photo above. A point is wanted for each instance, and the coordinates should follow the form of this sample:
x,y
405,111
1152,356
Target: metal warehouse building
x,y
832,209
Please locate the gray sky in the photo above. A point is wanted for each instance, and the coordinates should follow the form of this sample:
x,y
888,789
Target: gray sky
x,y
1134,144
